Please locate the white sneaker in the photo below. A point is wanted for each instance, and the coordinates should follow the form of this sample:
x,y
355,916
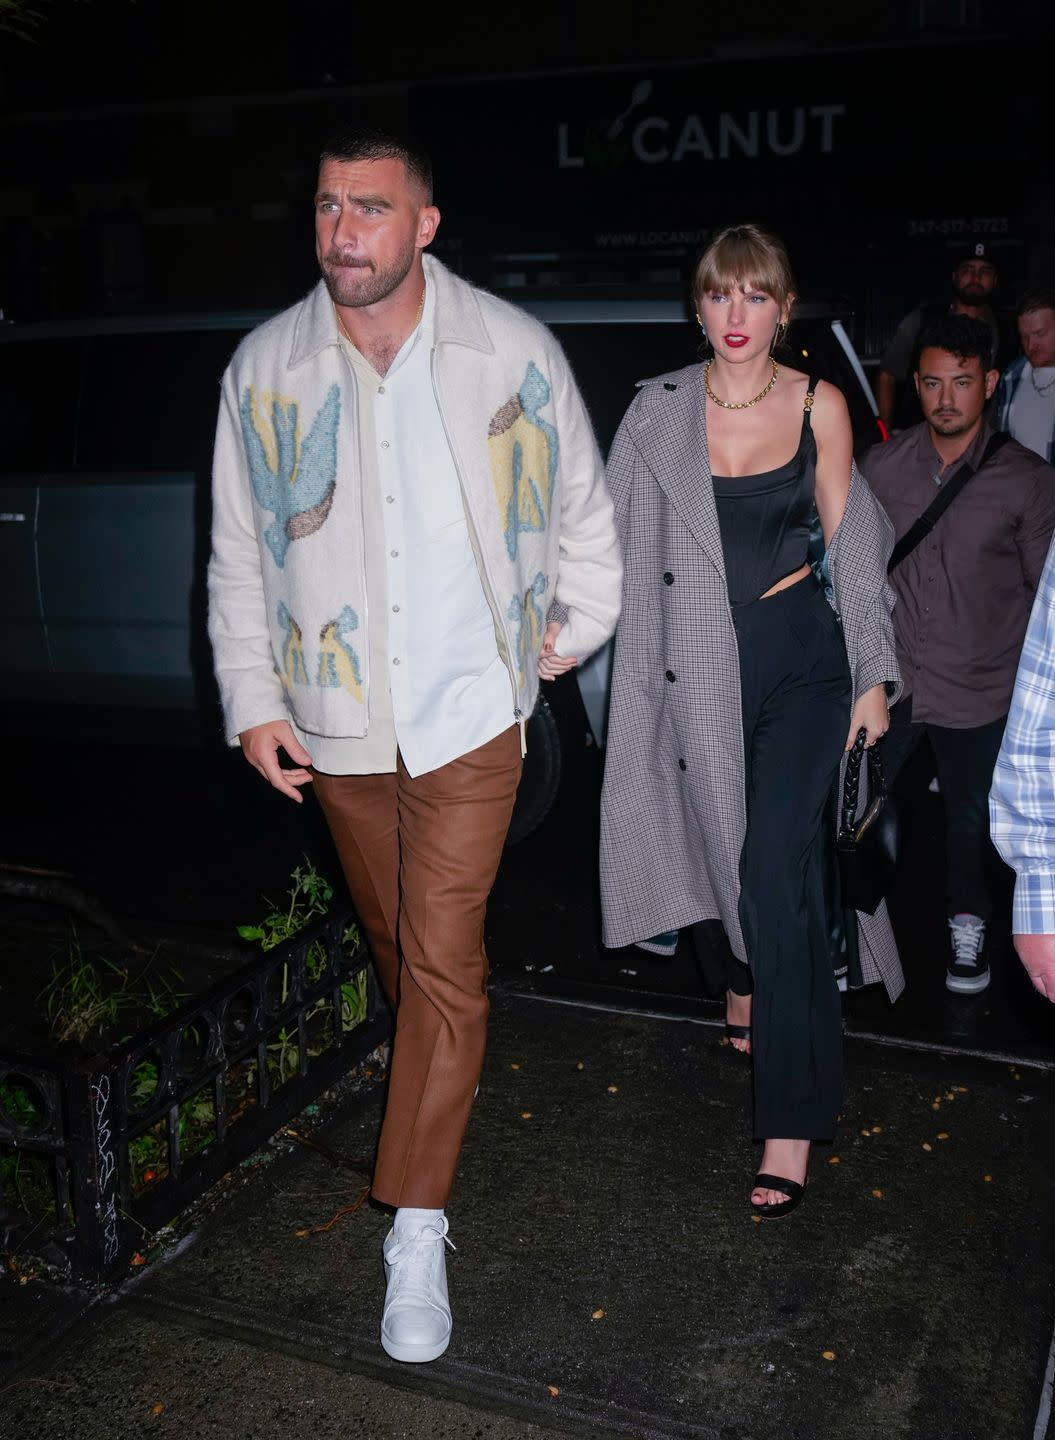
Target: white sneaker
x,y
416,1322
967,971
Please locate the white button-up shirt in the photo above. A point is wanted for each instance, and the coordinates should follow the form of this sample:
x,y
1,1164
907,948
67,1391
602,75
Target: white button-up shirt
x,y
438,686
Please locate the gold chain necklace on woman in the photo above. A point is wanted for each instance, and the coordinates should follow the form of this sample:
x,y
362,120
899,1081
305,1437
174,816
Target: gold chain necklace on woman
x,y
417,317
738,404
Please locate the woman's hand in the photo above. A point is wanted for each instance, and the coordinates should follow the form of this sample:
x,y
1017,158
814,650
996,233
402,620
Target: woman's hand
x,y
872,714
550,664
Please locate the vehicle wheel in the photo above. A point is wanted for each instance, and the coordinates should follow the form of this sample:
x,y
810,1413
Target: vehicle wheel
x,y
540,780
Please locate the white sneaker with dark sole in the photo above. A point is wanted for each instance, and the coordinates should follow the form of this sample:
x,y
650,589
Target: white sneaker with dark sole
x,y
967,972
416,1321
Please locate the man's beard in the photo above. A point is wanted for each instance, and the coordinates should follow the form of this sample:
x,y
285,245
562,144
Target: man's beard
x,y
948,424
971,294
360,282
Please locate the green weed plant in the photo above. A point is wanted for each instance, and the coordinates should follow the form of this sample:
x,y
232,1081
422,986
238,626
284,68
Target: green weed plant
x,y
85,998
308,899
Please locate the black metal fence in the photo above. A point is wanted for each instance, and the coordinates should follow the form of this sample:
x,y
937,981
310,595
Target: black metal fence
x,y
129,1138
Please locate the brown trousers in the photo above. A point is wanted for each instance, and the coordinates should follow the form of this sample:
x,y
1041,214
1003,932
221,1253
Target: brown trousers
x,y
420,857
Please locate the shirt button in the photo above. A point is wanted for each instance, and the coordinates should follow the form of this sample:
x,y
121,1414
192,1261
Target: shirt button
x,y
670,675
394,554
668,578
395,659
380,389
390,499
395,609
384,444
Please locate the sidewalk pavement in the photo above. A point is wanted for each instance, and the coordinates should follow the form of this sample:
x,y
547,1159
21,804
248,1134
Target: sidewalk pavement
x,y
609,1279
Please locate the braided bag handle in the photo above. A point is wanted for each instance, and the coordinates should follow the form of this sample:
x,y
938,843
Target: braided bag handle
x,y
852,781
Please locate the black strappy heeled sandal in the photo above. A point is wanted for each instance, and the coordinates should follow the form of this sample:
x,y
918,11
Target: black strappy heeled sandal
x,y
791,1188
738,1032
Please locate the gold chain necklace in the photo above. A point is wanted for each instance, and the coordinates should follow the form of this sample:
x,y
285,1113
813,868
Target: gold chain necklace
x,y
1040,389
417,317
738,404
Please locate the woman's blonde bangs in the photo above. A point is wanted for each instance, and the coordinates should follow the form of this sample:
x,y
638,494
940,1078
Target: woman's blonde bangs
x,y
744,257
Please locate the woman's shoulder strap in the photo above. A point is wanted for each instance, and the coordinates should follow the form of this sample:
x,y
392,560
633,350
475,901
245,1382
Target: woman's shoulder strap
x,y
807,404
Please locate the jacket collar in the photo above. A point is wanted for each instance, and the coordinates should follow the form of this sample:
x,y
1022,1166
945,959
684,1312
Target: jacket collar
x,y
670,431
458,318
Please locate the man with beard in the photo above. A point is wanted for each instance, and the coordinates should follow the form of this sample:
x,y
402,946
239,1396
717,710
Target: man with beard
x,y
410,526
964,593
973,282
1026,394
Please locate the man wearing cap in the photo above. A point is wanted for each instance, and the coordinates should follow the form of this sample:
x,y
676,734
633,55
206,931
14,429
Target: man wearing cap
x,y
973,282
1025,397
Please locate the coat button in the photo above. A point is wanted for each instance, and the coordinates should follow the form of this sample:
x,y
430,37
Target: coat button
x,y
670,676
668,578
682,765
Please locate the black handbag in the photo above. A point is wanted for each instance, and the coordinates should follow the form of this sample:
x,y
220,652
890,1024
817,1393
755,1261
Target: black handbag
x,y
867,845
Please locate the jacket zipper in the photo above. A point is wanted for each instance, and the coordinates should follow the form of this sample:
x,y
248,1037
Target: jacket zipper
x,y
481,565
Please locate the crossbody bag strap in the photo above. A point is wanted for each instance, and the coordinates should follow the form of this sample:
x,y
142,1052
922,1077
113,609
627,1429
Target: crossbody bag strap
x,y
922,527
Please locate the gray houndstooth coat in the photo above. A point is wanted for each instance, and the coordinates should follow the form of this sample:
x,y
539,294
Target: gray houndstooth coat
x,y
673,812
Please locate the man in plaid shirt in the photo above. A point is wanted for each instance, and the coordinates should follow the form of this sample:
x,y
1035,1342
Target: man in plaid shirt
x,y
1022,800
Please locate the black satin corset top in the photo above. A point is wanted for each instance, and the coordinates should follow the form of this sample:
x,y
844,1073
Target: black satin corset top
x,y
765,520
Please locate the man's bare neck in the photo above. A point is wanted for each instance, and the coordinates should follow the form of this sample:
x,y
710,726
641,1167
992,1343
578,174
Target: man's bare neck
x,y
951,448
381,351
380,331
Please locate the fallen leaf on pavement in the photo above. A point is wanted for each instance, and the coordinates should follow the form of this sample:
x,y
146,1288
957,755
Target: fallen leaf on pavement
x,y
926,1146
827,1354
553,1390
597,1315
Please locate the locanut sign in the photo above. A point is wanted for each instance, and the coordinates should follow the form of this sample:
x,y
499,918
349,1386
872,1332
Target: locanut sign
x,y
658,138
586,163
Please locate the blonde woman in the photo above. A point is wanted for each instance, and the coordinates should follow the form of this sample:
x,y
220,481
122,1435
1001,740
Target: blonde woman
x,y
737,690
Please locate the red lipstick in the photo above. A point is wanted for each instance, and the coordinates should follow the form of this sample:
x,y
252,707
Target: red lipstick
x,y
735,340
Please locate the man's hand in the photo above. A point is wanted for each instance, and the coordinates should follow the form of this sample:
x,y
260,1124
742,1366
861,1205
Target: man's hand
x,y
1037,953
550,664
871,712
260,746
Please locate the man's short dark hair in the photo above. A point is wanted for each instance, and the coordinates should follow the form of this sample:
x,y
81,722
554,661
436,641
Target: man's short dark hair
x,y
1036,300
356,142
961,336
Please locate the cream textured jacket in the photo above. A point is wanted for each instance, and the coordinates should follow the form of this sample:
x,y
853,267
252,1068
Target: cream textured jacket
x,y
288,617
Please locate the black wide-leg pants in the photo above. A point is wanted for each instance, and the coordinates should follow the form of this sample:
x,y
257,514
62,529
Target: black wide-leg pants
x,y
796,695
